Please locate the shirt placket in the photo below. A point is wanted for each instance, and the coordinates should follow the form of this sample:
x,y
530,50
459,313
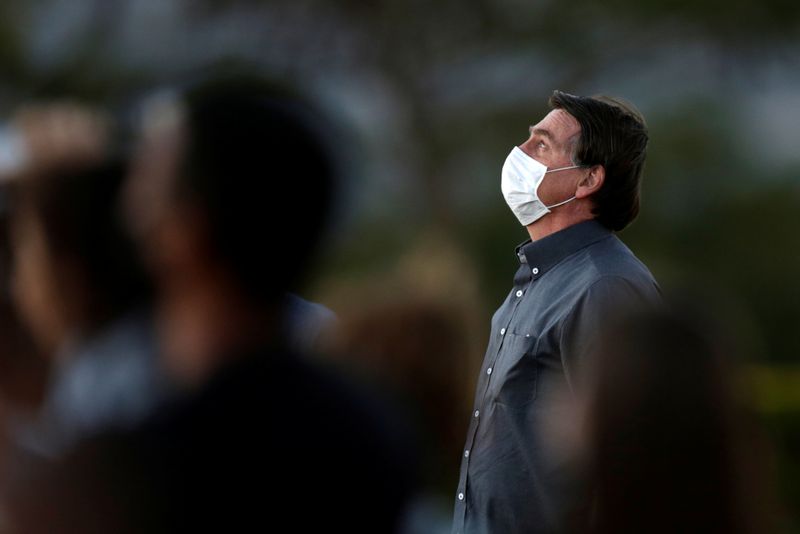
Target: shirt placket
x,y
522,280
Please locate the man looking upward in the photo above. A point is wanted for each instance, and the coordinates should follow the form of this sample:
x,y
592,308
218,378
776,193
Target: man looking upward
x,y
573,183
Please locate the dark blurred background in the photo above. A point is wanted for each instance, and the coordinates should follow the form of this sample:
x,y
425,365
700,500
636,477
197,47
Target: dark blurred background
x,y
437,93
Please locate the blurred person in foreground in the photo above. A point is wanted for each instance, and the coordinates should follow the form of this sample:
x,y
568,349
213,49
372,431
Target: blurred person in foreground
x,y
667,438
572,184
412,346
77,281
229,200
23,369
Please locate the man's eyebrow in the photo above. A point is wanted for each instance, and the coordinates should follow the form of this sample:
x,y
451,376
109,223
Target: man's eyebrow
x,y
542,132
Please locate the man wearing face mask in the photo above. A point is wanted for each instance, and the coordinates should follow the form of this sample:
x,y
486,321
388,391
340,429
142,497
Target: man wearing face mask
x,y
572,184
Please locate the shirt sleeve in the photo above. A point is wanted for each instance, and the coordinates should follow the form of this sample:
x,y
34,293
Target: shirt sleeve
x,y
605,302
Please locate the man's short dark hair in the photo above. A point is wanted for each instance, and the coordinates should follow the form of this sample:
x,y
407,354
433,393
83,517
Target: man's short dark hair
x,y
614,135
258,164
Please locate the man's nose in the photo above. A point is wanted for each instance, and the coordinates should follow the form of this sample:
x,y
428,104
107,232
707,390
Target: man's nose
x,y
527,147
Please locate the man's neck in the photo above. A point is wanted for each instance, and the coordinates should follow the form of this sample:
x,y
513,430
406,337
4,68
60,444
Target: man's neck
x,y
555,222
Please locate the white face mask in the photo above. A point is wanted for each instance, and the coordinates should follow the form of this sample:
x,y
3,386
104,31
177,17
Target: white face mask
x,y
521,177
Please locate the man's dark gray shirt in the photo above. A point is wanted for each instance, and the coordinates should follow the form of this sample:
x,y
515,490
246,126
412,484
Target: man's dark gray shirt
x,y
569,285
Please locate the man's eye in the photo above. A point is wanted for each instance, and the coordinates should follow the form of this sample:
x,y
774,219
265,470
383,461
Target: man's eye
x,y
541,144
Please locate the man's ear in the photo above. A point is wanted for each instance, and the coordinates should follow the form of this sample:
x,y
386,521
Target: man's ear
x,y
592,182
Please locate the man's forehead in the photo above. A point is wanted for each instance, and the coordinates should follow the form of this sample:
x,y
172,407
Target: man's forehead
x,y
560,124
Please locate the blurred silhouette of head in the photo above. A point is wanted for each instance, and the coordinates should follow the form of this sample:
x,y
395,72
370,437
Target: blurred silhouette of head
x,y
229,198
251,164
668,438
425,369
74,268
256,161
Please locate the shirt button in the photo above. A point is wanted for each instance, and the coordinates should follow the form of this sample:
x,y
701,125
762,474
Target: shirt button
x,y
466,453
535,270
489,371
477,413
502,331
460,496
519,292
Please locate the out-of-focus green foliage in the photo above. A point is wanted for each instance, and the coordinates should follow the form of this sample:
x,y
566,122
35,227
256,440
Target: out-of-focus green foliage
x,y
777,393
777,388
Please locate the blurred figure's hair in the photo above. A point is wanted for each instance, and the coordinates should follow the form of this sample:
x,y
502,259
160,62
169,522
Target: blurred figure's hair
x,y
417,348
257,165
614,135
77,209
671,445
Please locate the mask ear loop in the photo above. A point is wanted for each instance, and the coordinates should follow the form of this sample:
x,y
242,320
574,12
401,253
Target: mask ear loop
x,y
564,168
560,203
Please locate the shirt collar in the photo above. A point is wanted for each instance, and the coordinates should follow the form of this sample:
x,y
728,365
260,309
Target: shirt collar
x,y
541,255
